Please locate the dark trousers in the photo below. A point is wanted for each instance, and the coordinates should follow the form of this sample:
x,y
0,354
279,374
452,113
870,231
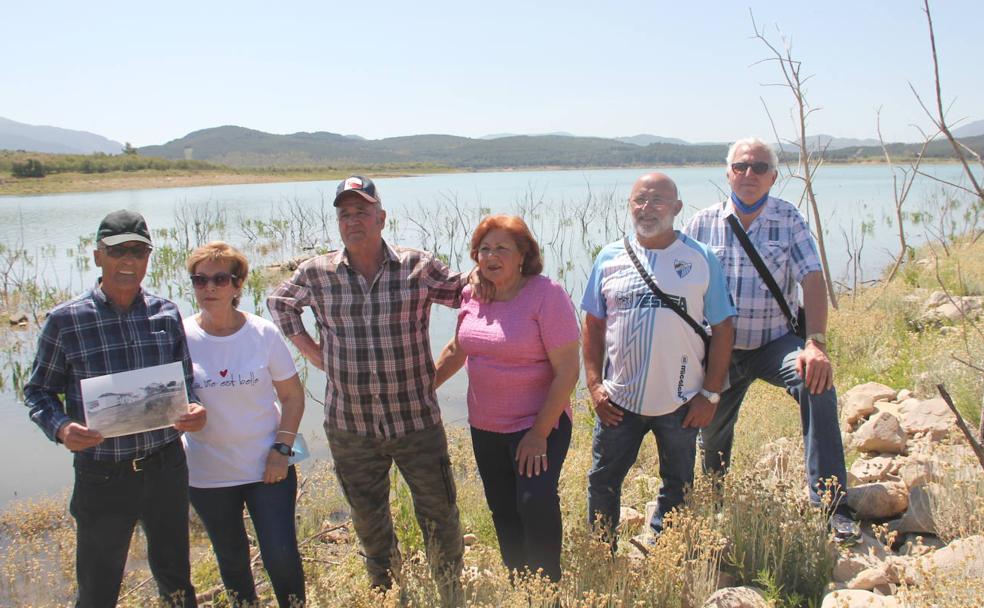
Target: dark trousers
x,y
107,502
615,449
525,510
271,507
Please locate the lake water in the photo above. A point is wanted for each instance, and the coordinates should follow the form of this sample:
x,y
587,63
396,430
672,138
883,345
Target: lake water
x,y
572,213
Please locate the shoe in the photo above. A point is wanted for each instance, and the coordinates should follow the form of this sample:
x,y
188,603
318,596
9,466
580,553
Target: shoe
x,y
846,531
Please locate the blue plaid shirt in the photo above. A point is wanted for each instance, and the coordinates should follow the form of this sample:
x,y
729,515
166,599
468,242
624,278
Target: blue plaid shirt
x,y
86,337
785,244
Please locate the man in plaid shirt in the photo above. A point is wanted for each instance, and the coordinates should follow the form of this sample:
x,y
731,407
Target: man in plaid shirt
x,y
371,302
116,327
764,346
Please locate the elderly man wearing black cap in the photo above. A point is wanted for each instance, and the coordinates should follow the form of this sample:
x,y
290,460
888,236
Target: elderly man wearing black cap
x,y
372,302
115,327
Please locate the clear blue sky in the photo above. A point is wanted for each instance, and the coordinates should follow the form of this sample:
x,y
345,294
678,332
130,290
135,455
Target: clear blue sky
x,y
151,72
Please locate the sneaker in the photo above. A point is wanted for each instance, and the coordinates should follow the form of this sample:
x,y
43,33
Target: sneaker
x,y
845,530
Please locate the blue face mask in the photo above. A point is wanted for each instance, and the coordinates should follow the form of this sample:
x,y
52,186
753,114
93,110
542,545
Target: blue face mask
x,y
749,208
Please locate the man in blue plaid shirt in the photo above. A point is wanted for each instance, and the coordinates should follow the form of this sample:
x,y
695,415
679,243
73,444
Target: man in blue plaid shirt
x,y
116,327
764,345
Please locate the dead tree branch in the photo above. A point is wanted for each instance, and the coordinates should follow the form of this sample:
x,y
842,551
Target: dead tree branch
x,y
974,445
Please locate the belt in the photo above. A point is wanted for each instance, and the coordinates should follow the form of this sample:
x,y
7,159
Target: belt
x,y
153,459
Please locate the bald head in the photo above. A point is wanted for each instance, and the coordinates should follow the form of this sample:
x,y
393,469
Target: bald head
x,y
653,204
655,181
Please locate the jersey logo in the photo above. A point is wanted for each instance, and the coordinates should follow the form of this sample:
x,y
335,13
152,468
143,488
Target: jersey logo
x,y
682,268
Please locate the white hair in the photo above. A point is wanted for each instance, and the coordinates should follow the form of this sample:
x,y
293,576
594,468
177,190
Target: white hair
x,y
753,142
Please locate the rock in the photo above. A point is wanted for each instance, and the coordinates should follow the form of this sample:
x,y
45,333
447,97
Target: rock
x,y
857,598
878,500
931,416
867,470
870,578
851,561
918,517
960,559
859,402
902,395
629,517
935,299
736,597
890,407
881,433
916,470
19,318
775,457
914,545
469,539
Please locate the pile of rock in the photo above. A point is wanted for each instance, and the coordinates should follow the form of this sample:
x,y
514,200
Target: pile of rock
x,y
941,309
904,446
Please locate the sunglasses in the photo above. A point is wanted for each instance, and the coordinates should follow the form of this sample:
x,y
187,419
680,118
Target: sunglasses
x,y
135,251
759,168
220,279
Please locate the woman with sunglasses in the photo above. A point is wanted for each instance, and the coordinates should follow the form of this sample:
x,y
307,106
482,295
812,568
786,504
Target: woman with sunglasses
x,y
245,377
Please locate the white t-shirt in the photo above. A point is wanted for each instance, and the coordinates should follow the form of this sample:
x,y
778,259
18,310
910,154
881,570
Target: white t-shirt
x,y
653,356
234,379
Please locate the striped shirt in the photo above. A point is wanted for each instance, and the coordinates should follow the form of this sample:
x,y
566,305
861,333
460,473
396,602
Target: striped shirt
x,y
783,241
375,341
86,337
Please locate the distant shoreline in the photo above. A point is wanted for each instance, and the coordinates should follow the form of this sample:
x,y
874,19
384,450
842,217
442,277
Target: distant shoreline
x,y
70,183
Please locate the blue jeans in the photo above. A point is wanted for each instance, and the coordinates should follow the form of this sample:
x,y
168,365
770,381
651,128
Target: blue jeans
x,y
271,507
525,510
615,449
108,500
775,363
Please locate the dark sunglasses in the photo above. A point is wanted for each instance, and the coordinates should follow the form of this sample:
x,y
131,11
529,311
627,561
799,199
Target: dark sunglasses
x,y
134,251
759,168
221,279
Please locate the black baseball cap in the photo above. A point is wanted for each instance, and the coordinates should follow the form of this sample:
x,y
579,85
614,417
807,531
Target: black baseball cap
x,y
122,226
361,185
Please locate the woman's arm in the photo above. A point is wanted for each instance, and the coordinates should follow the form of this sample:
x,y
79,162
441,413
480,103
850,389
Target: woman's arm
x,y
290,394
532,449
449,362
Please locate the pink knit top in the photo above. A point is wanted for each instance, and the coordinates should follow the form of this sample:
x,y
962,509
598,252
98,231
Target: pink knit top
x,y
506,344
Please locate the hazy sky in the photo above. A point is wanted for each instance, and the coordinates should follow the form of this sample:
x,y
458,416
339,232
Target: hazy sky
x,y
151,72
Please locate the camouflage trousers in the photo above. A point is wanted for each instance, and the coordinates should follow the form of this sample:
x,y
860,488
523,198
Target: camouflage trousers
x,y
363,464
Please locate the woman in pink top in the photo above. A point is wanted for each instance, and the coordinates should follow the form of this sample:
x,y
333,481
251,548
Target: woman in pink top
x,y
521,350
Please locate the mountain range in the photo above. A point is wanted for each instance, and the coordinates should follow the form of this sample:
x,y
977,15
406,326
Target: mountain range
x,y
40,138
248,148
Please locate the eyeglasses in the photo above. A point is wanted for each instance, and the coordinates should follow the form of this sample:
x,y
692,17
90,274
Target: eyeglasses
x,y
221,279
135,251
658,202
759,168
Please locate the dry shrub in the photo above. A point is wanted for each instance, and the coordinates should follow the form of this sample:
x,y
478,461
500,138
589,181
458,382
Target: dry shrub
x,y
956,497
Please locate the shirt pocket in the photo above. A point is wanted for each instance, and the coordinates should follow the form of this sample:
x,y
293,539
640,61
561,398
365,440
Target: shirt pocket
x,y
775,254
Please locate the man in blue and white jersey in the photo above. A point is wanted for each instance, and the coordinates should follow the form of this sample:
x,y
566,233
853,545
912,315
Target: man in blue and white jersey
x,y
764,345
643,361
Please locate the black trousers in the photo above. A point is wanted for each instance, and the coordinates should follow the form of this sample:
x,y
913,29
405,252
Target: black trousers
x,y
108,500
525,510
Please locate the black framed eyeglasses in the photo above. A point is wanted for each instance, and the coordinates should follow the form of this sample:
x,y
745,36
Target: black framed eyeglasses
x,y
759,168
220,279
139,252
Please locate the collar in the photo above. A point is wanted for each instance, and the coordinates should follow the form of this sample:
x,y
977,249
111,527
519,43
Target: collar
x,y
100,296
389,255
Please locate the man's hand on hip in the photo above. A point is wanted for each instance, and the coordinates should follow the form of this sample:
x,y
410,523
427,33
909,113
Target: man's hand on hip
x,y
813,365
608,413
700,414
77,437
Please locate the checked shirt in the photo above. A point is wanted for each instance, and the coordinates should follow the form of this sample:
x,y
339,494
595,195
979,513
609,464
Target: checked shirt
x,y
375,341
783,241
86,337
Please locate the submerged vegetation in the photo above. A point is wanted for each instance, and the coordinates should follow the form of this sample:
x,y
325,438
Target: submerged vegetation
x,y
760,531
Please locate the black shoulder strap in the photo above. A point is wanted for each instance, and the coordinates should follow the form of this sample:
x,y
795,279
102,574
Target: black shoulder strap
x,y
665,299
770,281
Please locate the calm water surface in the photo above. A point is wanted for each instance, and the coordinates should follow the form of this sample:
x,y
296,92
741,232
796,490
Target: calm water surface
x,y
566,209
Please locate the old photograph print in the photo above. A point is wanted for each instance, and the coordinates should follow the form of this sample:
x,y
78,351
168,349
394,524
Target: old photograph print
x,y
135,401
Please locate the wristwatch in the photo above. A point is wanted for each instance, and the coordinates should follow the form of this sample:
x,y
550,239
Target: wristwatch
x,y
282,448
818,337
713,397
